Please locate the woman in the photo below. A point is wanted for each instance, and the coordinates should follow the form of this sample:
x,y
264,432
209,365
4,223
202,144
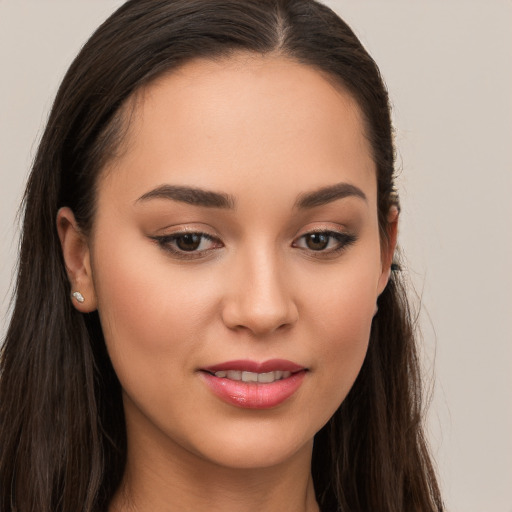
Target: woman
x,y
206,316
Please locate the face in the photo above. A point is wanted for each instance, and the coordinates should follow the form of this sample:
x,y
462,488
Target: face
x,y
236,237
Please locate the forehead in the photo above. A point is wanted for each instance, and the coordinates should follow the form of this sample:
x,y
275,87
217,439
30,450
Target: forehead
x,y
240,122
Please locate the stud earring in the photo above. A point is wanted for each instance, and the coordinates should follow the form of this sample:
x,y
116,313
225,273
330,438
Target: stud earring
x,y
78,297
376,310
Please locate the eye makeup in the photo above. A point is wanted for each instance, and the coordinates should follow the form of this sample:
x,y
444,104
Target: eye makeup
x,y
325,243
189,244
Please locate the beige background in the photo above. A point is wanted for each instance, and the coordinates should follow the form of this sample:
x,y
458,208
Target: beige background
x,y
448,65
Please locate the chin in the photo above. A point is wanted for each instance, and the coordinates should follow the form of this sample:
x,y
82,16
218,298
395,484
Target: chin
x,y
257,453
256,442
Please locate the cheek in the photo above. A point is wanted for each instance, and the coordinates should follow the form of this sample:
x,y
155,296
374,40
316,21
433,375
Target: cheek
x,y
340,318
343,355
150,311
346,322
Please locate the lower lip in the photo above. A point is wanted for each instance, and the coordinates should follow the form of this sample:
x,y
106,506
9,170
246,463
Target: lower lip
x,y
253,395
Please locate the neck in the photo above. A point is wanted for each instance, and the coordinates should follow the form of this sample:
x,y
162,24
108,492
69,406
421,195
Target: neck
x,y
176,480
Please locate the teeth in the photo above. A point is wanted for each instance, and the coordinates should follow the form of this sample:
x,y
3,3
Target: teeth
x,y
249,377
234,375
265,378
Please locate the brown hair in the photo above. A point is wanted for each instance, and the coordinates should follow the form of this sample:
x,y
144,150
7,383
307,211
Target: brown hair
x,y
62,431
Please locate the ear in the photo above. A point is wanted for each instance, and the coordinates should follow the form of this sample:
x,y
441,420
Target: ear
x,y
75,250
388,248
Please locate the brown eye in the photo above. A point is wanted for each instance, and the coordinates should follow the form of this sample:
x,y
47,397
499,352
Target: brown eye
x,y
325,243
188,242
317,241
188,245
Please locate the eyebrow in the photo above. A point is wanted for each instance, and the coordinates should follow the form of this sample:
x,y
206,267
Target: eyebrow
x,y
209,199
190,195
327,195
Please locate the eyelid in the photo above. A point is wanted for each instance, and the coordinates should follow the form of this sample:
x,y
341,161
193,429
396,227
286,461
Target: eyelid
x,y
345,240
166,241
192,227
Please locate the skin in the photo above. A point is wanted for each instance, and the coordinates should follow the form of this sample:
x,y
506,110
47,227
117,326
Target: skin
x,y
266,131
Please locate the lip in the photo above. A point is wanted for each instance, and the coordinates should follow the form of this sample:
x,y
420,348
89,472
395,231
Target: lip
x,y
272,365
254,395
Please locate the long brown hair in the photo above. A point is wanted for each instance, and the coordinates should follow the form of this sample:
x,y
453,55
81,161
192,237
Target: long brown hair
x,y
62,431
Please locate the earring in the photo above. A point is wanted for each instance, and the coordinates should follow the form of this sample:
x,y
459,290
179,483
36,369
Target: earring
x,y
376,310
78,297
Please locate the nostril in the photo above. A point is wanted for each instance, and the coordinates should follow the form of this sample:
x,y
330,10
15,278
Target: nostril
x,y
258,321
260,300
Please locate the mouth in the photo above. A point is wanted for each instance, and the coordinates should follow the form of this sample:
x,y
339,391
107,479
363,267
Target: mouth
x,y
253,385
245,376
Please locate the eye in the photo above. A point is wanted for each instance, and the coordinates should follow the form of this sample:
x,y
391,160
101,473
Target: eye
x,y
188,244
324,241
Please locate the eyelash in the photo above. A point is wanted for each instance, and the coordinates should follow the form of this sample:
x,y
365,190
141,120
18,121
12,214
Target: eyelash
x,y
169,243
343,241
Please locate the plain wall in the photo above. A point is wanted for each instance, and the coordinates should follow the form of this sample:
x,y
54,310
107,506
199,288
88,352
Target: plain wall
x,y
448,65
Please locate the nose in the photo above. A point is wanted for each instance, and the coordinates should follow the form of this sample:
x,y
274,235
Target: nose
x,y
260,298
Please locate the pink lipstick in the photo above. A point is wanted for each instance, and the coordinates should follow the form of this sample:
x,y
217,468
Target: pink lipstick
x,y
253,385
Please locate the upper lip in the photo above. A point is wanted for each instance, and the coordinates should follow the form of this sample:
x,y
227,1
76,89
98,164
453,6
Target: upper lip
x,y
272,365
